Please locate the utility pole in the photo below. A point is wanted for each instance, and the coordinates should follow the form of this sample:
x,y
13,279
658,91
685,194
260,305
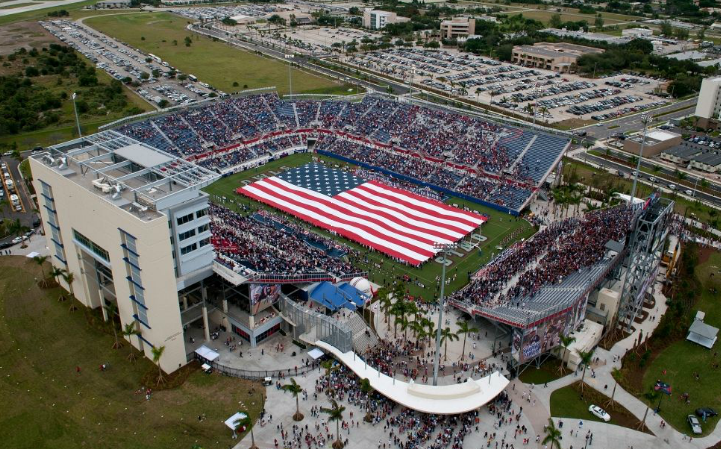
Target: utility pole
x,y
443,247
77,120
644,119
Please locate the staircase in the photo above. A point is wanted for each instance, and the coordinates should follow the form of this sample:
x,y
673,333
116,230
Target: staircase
x,y
363,335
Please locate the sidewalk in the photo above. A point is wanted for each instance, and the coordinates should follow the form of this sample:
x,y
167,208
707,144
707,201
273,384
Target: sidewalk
x,y
621,437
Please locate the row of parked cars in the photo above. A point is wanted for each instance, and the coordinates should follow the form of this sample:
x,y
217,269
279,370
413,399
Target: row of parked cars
x,y
10,187
603,105
628,110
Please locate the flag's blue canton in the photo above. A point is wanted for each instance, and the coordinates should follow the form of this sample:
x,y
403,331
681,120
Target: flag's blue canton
x,y
321,179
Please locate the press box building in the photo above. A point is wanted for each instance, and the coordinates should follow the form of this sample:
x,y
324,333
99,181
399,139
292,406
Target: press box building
x,y
132,225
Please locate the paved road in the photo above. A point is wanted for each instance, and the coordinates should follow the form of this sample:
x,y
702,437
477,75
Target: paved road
x,y
615,167
633,122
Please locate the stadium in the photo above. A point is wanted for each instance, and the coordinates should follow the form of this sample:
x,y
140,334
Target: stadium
x,y
284,217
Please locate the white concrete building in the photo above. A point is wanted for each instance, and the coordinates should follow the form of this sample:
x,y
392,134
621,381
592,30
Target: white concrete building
x,y
376,19
131,223
637,32
709,100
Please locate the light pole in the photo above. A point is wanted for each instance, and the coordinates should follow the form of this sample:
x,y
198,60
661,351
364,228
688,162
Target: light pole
x,y
443,247
644,119
77,120
413,72
290,57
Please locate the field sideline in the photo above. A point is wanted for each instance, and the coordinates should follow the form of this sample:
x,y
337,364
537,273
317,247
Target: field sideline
x,y
382,269
216,63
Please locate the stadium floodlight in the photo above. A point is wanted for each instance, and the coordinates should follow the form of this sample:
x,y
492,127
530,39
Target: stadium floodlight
x,y
442,248
290,57
77,120
645,120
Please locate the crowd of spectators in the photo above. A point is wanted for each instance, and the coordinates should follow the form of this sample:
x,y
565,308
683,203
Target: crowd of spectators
x,y
420,142
560,249
267,243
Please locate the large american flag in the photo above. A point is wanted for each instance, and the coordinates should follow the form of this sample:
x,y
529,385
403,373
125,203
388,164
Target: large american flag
x,y
393,221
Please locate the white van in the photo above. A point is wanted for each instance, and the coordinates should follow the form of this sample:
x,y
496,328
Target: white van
x,y
672,186
14,199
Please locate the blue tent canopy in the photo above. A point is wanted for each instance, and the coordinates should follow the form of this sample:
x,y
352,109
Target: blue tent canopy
x,y
334,297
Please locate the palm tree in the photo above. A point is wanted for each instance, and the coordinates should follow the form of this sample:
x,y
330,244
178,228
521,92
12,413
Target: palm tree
x,y
366,388
157,354
55,273
417,329
447,335
553,435
329,366
295,390
566,341
385,302
335,413
246,422
431,326
112,309
465,329
69,278
40,260
651,395
128,331
3,204
586,357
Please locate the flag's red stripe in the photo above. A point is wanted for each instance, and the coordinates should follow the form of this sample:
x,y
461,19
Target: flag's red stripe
x,y
475,219
278,190
342,232
397,210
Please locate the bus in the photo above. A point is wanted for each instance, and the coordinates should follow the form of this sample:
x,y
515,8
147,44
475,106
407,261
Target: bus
x,y
155,58
192,78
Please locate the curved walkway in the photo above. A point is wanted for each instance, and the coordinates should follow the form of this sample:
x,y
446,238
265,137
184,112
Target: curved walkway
x,y
621,437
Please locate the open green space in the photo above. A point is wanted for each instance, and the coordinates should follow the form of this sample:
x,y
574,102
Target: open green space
x,y
227,68
678,363
547,372
17,5
571,15
40,110
571,402
383,270
47,404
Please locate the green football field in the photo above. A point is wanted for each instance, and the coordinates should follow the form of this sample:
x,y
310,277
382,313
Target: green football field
x,y
222,66
383,269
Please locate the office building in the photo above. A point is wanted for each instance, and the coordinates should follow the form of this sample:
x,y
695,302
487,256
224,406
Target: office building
x,y
376,19
458,27
560,57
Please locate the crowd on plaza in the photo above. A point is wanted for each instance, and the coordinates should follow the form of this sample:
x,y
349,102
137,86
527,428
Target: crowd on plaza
x,y
403,428
555,252
442,148
266,242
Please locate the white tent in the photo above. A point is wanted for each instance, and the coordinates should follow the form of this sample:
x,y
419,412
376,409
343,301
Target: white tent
x,y
230,422
702,334
315,353
207,354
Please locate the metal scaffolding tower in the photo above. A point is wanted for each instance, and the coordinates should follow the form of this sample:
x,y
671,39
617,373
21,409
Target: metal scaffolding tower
x,y
645,249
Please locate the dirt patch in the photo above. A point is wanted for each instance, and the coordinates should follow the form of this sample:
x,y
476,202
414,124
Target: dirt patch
x,y
704,253
23,34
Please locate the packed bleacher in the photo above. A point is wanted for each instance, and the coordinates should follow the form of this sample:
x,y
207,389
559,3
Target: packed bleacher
x,y
263,242
557,253
436,146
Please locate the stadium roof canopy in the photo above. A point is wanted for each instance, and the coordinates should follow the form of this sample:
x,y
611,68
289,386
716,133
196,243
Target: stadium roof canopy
x,y
333,297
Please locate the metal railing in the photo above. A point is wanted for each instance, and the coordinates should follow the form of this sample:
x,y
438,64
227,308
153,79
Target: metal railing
x,y
262,374
324,327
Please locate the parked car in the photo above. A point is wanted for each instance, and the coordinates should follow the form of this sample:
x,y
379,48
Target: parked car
x,y
706,412
695,425
600,413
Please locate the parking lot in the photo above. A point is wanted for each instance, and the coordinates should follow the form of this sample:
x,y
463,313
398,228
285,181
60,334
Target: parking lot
x,y
236,12
513,87
317,41
19,205
121,61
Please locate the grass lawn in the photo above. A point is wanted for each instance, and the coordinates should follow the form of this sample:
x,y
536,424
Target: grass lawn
x,y
41,343
572,15
567,402
382,269
682,359
547,372
215,63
